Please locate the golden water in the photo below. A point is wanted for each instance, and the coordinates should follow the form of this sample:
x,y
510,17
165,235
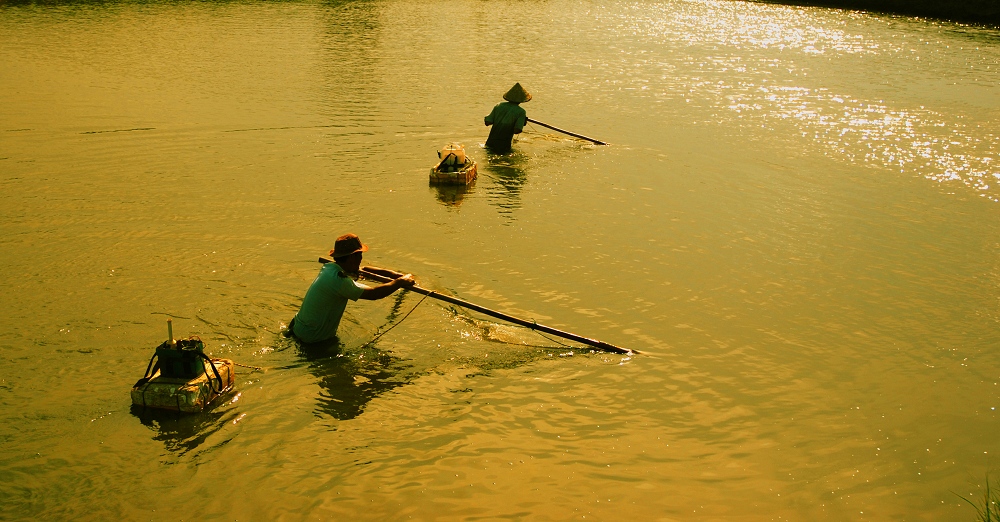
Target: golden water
x,y
796,223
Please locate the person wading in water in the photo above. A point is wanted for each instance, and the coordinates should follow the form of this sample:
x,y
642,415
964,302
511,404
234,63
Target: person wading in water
x,y
507,119
325,301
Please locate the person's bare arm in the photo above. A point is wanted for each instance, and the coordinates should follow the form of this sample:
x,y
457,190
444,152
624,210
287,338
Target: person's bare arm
x,y
380,291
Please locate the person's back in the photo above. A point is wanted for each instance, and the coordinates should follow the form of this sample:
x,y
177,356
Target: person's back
x,y
507,119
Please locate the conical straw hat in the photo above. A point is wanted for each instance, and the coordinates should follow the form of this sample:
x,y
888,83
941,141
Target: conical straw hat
x,y
517,94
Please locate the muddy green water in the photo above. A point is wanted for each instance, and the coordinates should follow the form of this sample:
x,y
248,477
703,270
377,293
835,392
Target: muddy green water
x,y
796,223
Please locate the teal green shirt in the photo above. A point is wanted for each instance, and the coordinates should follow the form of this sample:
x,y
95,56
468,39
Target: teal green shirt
x,y
324,304
507,120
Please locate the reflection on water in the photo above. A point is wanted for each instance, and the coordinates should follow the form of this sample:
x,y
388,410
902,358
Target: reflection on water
x,y
452,195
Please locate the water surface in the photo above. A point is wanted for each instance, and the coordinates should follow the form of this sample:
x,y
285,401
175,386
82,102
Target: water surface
x,y
796,223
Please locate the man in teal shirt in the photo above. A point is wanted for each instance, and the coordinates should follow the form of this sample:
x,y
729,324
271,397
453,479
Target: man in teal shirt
x,y
507,119
325,301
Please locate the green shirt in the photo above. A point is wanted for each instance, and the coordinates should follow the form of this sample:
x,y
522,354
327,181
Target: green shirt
x,y
507,120
324,304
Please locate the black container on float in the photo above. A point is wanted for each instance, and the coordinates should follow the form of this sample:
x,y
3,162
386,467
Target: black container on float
x,y
183,360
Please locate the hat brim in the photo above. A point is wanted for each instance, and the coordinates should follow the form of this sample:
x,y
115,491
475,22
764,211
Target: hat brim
x,y
335,254
517,100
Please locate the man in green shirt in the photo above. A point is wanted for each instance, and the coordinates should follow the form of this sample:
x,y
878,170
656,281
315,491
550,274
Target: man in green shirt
x,y
507,119
325,301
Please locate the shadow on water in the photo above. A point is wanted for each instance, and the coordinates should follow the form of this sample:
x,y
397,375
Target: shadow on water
x,y
509,174
985,12
351,378
349,381
184,432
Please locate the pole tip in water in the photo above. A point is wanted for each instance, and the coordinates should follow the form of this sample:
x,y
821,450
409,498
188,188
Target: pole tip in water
x,y
615,349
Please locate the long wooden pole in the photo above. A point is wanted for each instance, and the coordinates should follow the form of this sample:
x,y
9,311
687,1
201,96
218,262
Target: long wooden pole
x,y
575,135
383,275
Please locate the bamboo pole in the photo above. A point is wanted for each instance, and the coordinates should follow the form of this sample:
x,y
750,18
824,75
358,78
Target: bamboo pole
x,y
383,275
575,135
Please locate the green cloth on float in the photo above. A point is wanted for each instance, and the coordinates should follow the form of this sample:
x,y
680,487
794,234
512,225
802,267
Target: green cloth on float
x,y
507,120
324,304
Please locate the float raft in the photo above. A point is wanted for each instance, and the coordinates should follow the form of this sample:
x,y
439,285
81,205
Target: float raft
x,y
463,175
184,378
455,168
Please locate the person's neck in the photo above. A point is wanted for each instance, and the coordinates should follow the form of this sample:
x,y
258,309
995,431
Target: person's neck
x,y
350,267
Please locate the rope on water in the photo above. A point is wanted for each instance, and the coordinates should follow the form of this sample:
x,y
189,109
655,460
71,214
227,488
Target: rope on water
x,y
255,368
387,330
